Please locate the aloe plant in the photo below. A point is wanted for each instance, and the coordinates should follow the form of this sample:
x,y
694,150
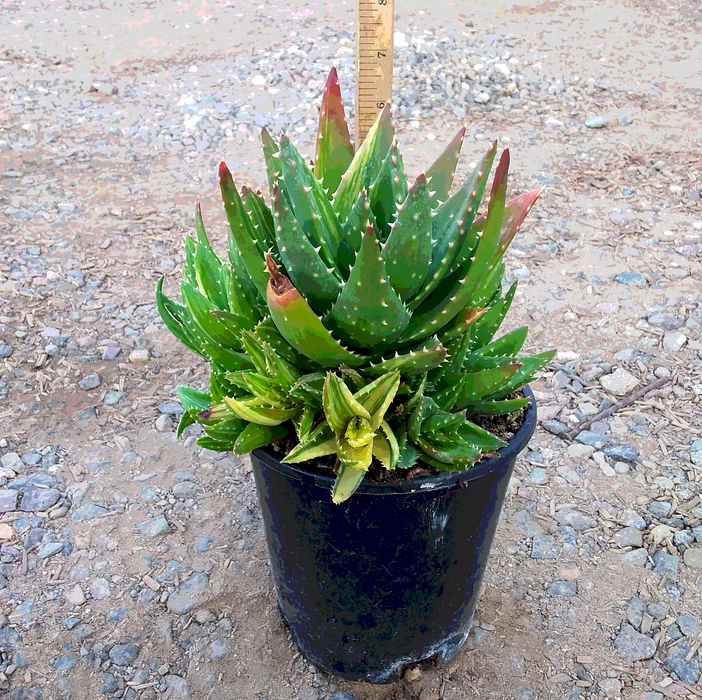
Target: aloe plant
x,y
357,313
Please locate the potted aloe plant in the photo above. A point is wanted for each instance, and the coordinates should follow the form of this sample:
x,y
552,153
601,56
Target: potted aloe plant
x,y
350,332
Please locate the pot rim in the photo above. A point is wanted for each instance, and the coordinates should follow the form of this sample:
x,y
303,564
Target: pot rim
x,y
431,482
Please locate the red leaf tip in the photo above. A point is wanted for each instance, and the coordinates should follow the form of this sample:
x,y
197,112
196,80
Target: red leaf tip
x,y
224,172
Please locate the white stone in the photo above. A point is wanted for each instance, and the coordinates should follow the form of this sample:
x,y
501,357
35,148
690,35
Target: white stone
x,y
137,357
619,383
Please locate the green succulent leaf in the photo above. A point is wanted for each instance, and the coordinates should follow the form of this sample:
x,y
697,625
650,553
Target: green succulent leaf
x,y
175,317
495,408
186,418
220,331
451,225
194,399
385,446
243,236
301,327
408,248
261,219
529,367
359,458
421,358
334,148
377,396
339,404
317,282
366,164
254,436
368,311
251,410
507,345
461,323
347,481
440,174
319,443
310,205
388,190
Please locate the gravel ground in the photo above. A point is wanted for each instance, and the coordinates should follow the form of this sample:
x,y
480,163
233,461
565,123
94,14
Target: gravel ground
x,y
133,565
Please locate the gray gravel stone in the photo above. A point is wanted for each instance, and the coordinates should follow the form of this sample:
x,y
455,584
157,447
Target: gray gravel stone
x,y
189,594
636,557
100,589
153,527
659,509
170,408
49,550
554,426
633,279
5,350
123,654
538,476
109,684
113,397
689,625
563,589
632,645
628,537
66,663
180,690
635,612
528,524
186,489
110,353
13,461
673,341
218,649
592,439
544,547
203,544
8,500
666,565
622,452
91,381
630,518
686,671
88,511
37,499
665,320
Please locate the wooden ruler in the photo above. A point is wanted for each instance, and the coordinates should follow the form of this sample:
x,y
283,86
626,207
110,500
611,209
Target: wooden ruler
x,y
375,20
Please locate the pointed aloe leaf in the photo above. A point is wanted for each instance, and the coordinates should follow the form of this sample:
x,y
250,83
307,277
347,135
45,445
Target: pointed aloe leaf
x,y
476,362
280,370
194,399
189,267
443,422
309,389
481,384
407,250
237,297
495,408
260,217
529,367
253,347
243,235
310,205
377,396
451,225
186,418
366,163
339,404
516,211
208,443
459,287
261,415
409,453
358,219
319,443
266,389
440,174
233,322
509,344
172,314
420,359
208,273
308,272
359,433
461,323
304,422
388,190
200,228
484,331
226,430
229,360
386,447
424,409
267,331
368,311
334,148
347,481
254,436
301,327
475,435
359,458
200,308
456,458
271,154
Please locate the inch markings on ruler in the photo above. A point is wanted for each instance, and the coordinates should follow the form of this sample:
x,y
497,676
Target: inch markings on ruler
x,y
374,54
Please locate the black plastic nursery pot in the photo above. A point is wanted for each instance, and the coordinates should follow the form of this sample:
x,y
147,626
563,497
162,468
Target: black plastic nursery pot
x,y
391,576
